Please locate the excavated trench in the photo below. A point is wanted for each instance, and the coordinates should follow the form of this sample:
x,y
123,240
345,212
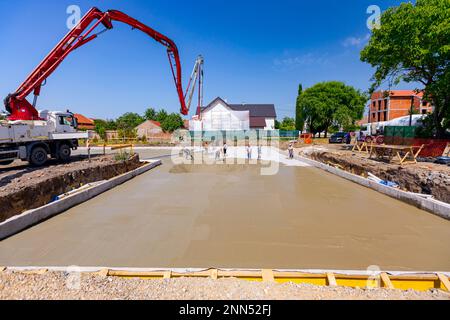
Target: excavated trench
x,y
32,188
425,178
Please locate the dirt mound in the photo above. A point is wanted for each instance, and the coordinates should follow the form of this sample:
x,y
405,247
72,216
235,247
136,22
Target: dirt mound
x,y
27,188
426,178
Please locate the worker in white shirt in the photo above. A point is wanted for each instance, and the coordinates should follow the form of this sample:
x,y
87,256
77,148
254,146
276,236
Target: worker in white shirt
x,y
249,152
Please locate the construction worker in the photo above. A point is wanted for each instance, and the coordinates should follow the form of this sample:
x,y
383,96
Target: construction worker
x,y
225,148
217,153
291,151
348,138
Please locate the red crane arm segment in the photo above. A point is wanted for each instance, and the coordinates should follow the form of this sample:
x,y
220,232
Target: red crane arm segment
x,y
172,50
16,103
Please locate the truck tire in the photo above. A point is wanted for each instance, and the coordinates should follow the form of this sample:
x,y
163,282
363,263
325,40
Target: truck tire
x,y
38,156
64,153
5,163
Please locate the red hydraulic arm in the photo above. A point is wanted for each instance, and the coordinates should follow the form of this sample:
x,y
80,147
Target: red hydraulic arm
x,y
17,104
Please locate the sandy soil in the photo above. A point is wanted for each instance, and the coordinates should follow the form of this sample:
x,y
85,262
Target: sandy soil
x,y
88,286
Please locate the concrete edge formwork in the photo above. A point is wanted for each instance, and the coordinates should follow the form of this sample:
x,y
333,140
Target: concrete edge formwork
x,y
32,217
400,280
436,207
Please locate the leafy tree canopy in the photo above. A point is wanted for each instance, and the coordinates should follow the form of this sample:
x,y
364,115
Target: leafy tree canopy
x,y
331,103
150,114
172,122
287,124
161,115
129,120
101,126
413,45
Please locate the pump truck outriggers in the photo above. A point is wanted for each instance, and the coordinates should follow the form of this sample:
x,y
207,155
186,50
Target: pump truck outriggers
x,y
32,135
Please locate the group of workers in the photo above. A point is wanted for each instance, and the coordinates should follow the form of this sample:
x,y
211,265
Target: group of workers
x,y
221,153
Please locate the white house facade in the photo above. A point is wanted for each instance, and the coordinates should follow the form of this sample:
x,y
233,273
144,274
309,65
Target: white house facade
x,y
220,115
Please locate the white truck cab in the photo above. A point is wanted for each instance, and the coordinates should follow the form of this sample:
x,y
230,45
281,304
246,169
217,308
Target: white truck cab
x,y
60,122
55,135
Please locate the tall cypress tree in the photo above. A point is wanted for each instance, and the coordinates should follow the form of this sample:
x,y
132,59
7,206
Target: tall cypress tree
x,y
299,120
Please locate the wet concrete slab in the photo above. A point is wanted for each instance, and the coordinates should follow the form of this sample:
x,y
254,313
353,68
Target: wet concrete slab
x,y
229,216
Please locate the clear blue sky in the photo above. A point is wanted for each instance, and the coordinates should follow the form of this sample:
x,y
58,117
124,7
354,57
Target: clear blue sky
x,y
255,51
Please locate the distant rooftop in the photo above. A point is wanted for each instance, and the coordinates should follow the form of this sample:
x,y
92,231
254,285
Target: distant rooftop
x,y
256,110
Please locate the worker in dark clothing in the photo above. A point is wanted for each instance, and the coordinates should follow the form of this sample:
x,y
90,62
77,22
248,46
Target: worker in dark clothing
x,y
348,138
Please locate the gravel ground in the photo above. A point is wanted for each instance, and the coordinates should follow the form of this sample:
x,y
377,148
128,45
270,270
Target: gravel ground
x,y
61,286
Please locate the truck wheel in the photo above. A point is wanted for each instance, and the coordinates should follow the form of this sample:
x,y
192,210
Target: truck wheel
x,y
5,163
38,156
64,153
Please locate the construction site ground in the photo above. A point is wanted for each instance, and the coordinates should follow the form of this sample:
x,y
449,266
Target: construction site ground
x,y
227,216
230,216
89,286
23,187
425,177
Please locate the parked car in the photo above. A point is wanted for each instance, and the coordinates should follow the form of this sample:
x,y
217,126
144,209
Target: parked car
x,y
443,160
338,137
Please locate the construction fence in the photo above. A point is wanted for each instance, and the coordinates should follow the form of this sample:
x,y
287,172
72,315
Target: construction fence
x,y
406,136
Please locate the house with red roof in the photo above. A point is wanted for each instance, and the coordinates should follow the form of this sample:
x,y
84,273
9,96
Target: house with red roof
x,y
84,123
149,128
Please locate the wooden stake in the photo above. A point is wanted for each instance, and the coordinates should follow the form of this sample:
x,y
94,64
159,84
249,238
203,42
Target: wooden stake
x,y
331,279
267,275
386,281
103,273
444,281
214,274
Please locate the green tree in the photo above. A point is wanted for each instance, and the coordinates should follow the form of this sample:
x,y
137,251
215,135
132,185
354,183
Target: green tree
x,y
412,45
287,124
150,114
127,123
161,115
277,125
101,126
331,103
172,122
299,120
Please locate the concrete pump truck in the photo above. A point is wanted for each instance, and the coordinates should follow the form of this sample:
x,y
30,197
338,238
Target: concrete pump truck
x,y
33,136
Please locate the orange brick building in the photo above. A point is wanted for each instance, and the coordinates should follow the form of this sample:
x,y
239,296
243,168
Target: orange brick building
x,y
389,105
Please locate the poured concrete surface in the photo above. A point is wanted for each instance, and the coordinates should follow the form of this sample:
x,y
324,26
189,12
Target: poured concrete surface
x,y
232,217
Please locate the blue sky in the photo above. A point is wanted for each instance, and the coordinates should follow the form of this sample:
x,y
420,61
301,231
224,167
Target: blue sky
x,y
255,51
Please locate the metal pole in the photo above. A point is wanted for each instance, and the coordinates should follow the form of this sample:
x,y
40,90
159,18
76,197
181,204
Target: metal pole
x,y
88,144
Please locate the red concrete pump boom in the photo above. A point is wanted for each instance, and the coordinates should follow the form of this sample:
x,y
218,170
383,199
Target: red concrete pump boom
x,y
17,104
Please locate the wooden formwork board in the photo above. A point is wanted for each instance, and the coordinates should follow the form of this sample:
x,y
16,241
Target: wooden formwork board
x,y
410,281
